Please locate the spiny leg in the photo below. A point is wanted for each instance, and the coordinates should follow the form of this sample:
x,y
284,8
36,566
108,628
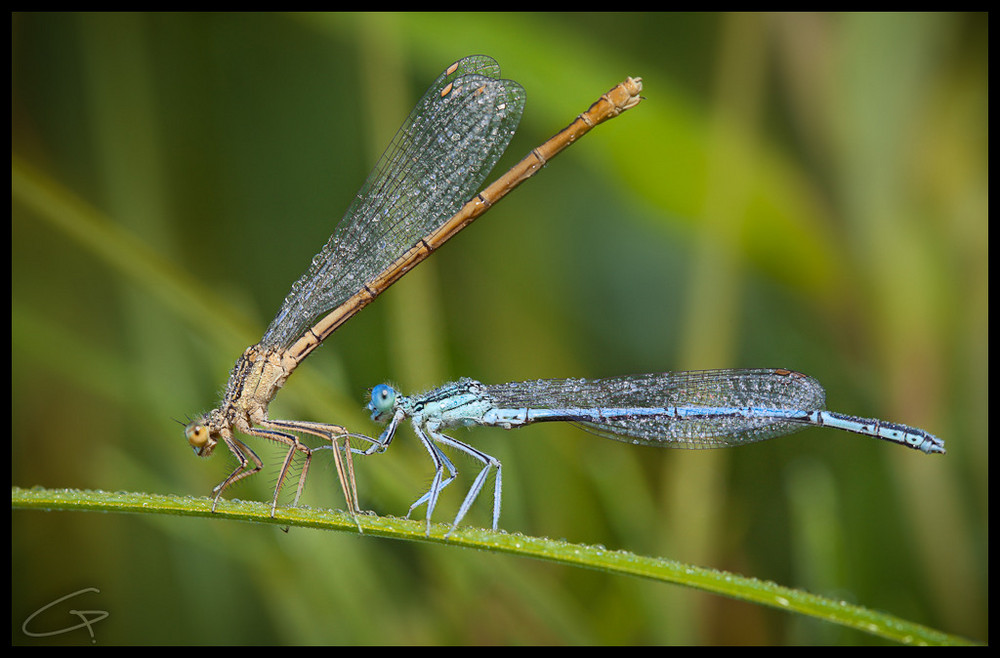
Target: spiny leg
x,y
452,473
240,450
294,445
440,463
332,434
488,463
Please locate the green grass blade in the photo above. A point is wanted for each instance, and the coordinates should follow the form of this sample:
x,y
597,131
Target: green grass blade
x,y
590,557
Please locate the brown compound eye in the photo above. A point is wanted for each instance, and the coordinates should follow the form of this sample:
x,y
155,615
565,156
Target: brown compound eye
x,y
200,438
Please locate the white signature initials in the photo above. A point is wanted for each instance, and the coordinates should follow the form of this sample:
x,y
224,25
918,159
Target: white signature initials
x,y
87,617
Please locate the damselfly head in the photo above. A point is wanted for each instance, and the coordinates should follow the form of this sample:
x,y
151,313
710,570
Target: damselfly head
x,y
382,402
201,438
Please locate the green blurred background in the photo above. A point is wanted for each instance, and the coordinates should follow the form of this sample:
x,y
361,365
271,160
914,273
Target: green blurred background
x,y
798,191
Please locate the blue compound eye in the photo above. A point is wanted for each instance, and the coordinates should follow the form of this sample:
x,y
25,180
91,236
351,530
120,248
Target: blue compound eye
x,y
383,398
